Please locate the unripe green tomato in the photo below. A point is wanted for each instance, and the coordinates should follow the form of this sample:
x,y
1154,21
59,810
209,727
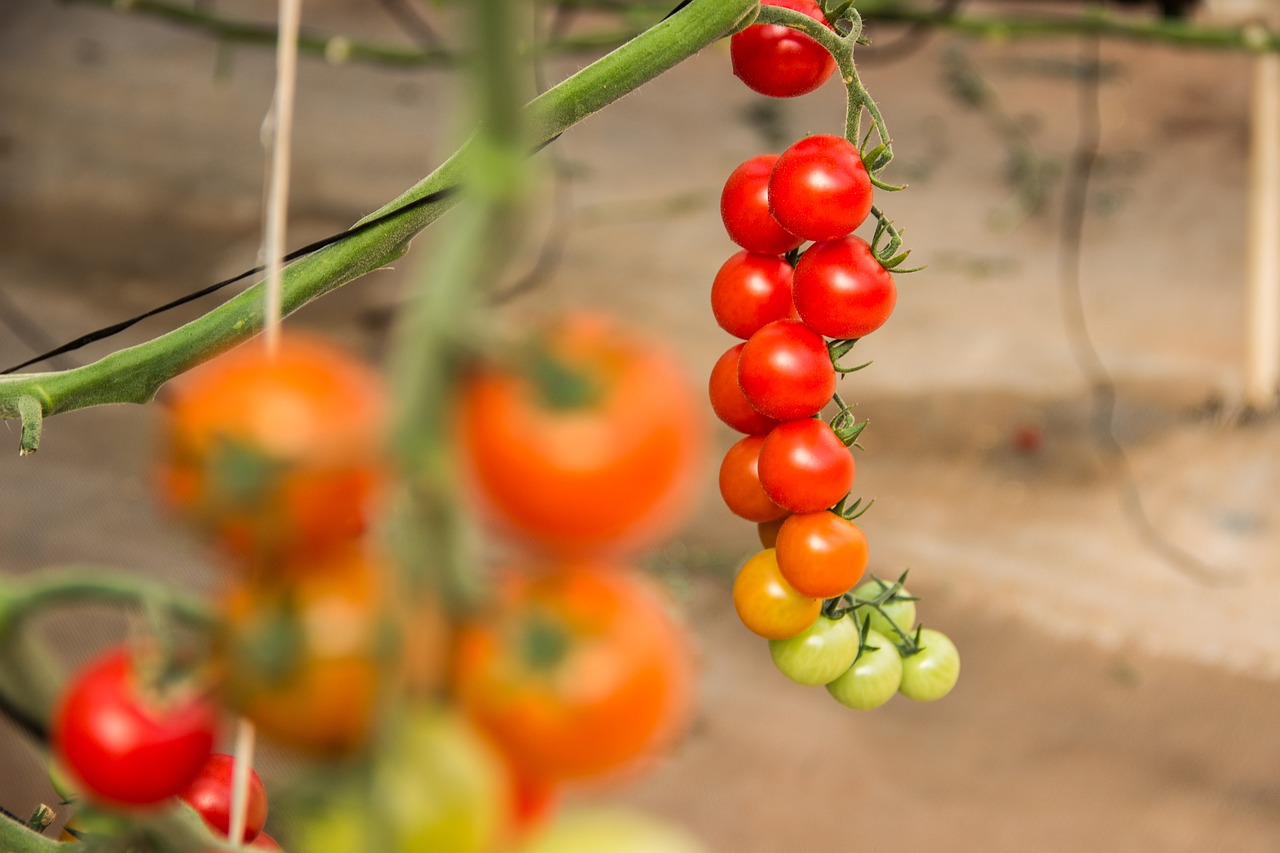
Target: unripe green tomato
x,y
612,830
819,653
873,678
901,611
929,674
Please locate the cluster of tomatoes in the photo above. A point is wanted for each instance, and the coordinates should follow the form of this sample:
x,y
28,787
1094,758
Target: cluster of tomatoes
x,y
580,449
798,311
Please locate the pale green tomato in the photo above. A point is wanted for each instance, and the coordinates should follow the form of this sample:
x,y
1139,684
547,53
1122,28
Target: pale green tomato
x,y
612,830
819,653
902,612
441,788
930,674
873,678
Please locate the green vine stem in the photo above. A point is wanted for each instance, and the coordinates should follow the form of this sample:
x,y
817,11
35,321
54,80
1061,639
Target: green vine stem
x,y
134,375
91,585
19,838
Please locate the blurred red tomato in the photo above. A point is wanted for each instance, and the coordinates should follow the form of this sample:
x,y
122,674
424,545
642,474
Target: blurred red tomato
x,y
210,796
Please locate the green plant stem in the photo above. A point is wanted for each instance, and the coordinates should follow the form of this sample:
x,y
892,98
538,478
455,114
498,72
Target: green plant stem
x,y
18,838
133,375
1092,21
85,585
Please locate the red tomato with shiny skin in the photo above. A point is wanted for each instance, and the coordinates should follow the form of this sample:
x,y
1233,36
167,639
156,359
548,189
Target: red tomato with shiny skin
x,y
785,371
819,189
821,554
727,400
842,291
210,796
592,447
740,482
744,208
804,467
778,61
749,291
127,743
576,670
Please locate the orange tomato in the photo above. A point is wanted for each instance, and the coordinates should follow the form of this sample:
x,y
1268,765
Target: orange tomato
x,y
276,455
821,554
306,660
576,670
590,443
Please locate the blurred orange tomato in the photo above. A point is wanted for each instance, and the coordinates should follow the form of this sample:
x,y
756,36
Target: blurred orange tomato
x,y
306,659
576,670
275,454
590,443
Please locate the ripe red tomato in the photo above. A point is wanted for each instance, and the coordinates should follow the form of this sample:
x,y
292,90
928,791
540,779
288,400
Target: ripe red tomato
x,y
804,467
744,207
326,630
590,444
842,291
282,454
740,483
210,795
767,604
727,400
821,554
576,670
819,189
778,61
126,741
749,291
785,371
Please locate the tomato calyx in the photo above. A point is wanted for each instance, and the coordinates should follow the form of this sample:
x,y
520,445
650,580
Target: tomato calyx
x,y
559,385
849,604
838,349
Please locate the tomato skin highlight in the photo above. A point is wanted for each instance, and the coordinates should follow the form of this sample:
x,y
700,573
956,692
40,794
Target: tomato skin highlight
x,y
744,209
819,654
804,467
210,795
929,674
874,677
612,470
749,291
778,61
785,371
767,604
123,747
740,482
727,399
819,188
821,554
842,291
577,670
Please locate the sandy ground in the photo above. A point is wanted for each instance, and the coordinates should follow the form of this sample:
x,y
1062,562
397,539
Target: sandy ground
x,y
1110,700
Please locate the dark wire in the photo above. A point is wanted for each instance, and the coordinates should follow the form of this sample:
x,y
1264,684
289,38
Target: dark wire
x,y
1102,389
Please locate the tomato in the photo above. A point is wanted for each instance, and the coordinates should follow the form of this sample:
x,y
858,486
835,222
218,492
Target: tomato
x,y
533,801
766,603
744,208
740,483
778,61
612,830
210,795
819,654
278,454
768,531
819,189
576,670
749,291
842,291
902,610
265,842
821,554
785,371
930,673
304,660
727,400
873,678
804,466
591,444
125,741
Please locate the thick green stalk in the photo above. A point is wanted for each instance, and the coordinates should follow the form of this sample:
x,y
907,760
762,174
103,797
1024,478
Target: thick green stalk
x,y
133,375
17,838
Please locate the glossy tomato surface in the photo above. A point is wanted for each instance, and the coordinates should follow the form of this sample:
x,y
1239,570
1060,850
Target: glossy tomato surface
x,y
590,444
819,654
778,61
576,670
749,291
727,399
767,605
785,371
125,741
804,466
821,554
210,795
740,482
819,188
744,209
276,454
842,291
